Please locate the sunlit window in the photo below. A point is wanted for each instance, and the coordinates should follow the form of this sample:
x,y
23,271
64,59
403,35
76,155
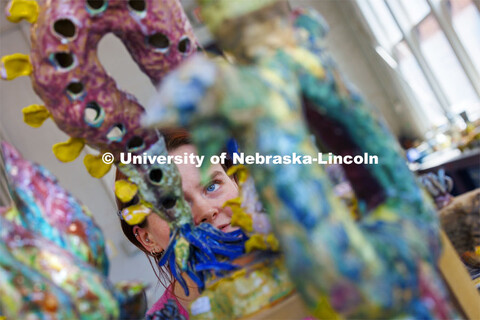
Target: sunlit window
x,y
435,45
445,66
466,22
414,77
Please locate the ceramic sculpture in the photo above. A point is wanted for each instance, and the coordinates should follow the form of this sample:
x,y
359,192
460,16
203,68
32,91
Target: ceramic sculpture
x,y
282,84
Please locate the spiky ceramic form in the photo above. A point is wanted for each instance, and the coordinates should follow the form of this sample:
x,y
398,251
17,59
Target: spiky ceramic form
x,y
78,95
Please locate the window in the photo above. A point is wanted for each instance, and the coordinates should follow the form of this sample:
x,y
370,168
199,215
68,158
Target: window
x,y
465,19
413,75
435,46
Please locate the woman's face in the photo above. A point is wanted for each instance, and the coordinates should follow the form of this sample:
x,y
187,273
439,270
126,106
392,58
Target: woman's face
x,y
206,201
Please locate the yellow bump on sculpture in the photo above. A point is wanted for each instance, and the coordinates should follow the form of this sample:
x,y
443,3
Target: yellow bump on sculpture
x,y
15,65
135,214
34,115
241,219
273,242
256,242
125,190
240,170
69,150
17,10
95,165
235,202
477,250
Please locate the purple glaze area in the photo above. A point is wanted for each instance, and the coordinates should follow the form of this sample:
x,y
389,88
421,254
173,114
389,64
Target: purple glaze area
x,y
336,138
50,81
51,211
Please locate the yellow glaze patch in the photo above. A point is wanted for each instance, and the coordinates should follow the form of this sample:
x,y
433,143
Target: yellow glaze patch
x,y
135,214
182,250
239,274
281,110
241,219
308,60
324,310
95,165
69,150
34,115
52,261
22,9
15,65
272,77
385,214
125,190
235,202
255,242
240,170
273,242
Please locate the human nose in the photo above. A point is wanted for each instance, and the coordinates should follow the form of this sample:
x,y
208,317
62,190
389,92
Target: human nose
x,y
204,211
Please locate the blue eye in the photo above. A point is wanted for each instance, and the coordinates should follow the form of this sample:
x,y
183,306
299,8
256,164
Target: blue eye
x,y
212,187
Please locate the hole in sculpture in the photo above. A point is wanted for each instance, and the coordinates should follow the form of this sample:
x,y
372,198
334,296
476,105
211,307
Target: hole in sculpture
x,y
64,28
75,90
169,202
96,6
134,144
93,114
64,59
159,41
137,5
184,45
155,175
116,133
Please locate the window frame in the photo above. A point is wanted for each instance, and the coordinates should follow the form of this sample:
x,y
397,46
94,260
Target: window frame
x,y
438,10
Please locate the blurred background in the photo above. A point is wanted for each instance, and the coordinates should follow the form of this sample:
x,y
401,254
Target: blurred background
x,y
416,61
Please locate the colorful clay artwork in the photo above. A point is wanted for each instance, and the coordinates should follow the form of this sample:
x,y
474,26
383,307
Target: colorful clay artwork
x,y
86,104
67,75
51,211
53,263
283,84
278,88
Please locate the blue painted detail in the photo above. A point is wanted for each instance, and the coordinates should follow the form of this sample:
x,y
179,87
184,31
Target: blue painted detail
x,y
210,251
